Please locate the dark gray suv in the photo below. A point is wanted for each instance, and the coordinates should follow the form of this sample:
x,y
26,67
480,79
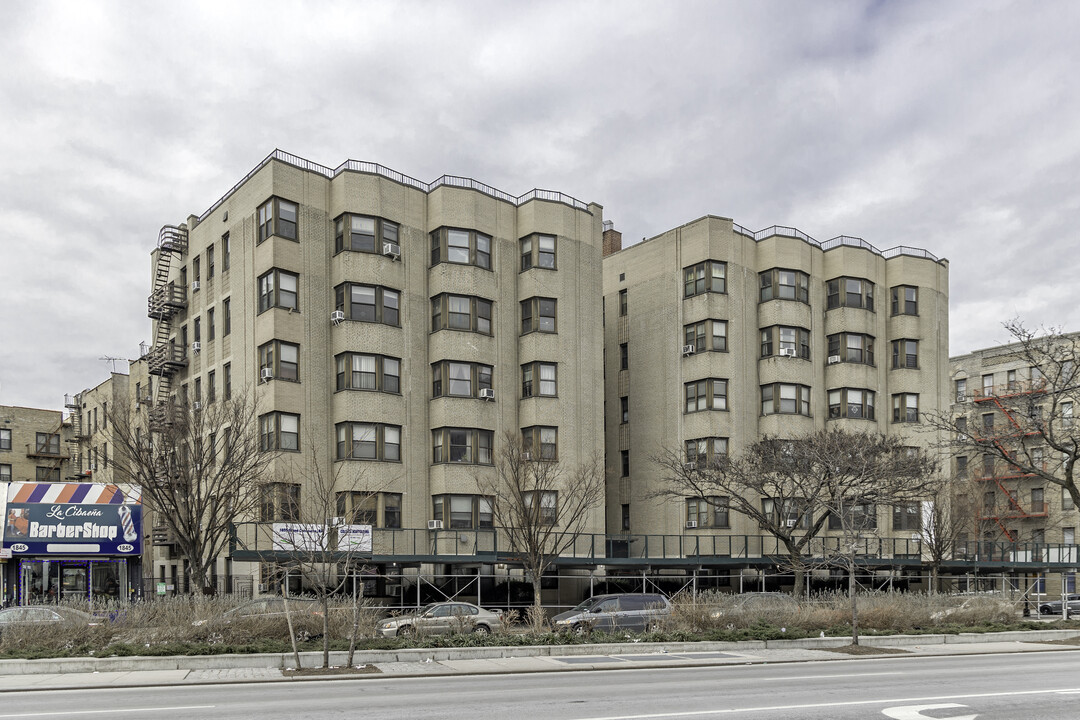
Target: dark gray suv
x,y
636,612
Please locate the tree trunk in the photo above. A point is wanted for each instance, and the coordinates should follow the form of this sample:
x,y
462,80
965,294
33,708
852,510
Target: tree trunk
x,y
325,630
854,602
798,568
292,634
537,608
355,626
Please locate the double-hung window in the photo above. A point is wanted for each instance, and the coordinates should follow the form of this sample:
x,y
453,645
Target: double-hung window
x,y
785,342
461,312
279,501
708,276
542,440
849,292
360,371
462,512
279,288
460,247
905,354
851,348
905,300
277,217
542,506
781,284
853,403
368,441
538,314
5,439
469,446
368,303
704,452
786,399
707,335
539,379
706,394
360,233
281,358
279,431
538,251
450,378
906,408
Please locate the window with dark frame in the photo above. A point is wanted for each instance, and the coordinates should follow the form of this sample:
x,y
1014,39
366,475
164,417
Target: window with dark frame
x,y
364,371
851,348
279,289
538,251
785,399
849,292
278,217
706,336
368,303
279,431
905,408
461,312
538,314
459,246
452,378
468,446
368,441
362,233
905,354
706,394
781,340
783,284
279,502
540,442
463,512
281,358
852,403
705,277
905,300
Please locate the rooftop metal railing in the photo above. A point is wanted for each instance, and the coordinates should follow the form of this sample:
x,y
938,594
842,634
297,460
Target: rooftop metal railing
x,y
838,241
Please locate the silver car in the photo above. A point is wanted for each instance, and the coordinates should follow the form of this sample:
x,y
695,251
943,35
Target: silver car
x,y
442,618
637,612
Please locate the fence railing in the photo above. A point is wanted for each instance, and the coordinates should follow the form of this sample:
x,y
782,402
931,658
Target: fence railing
x,y
838,241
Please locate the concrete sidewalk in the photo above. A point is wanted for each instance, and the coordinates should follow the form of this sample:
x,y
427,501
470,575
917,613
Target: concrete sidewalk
x,y
71,673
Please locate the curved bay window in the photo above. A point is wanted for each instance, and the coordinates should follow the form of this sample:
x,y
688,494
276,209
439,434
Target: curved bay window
x,y
849,292
538,251
786,399
539,379
460,247
462,512
702,453
368,441
461,312
781,284
358,371
851,348
853,403
361,233
707,512
459,379
708,276
539,314
707,335
785,342
368,303
706,394
542,439
468,446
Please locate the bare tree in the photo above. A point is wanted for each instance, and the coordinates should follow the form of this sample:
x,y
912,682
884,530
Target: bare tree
x,y
949,518
198,467
541,505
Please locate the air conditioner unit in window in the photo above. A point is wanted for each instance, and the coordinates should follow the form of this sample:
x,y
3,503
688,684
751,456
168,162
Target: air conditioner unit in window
x,y
687,350
526,456
691,524
833,359
194,286
487,394
690,466
787,352
791,523
196,347
266,374
391,250
434,524
337,317
961,397
915,537
196,405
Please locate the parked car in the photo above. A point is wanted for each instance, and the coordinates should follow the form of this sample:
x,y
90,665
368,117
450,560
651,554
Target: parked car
x,y
442,618
751,601
1053,607
42,615
637,612
270,606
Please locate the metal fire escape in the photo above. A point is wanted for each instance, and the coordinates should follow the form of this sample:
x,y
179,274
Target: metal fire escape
x,y
1014,508
74,405
165,302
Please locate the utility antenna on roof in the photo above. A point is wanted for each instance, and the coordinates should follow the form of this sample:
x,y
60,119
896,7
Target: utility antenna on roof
x,y
111,360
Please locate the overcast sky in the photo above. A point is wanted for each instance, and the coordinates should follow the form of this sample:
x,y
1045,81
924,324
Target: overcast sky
x,y
951,126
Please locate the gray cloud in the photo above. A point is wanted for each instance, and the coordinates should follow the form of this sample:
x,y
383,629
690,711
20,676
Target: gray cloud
x,y
948,126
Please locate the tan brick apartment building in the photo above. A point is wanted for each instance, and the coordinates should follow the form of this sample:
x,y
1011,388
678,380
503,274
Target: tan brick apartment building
x,y
717,336
34,445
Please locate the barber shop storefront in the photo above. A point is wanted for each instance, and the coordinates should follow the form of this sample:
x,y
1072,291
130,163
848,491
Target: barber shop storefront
x,y
71,541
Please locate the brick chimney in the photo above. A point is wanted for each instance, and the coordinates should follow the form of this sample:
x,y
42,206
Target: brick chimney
x,y
612,239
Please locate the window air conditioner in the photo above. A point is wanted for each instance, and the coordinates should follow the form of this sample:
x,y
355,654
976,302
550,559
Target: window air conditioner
x,y
196,405
434,524
194,286
391,250
961,397
915,537
487,394
791,523
196,347
266,374
691,524
787,352
337,317
687,350
690,466
526,456
833,359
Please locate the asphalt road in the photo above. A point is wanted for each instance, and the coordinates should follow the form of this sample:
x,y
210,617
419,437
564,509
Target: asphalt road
x,y
1032,686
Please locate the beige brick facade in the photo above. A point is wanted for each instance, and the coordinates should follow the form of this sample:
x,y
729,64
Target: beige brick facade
x,y
34,445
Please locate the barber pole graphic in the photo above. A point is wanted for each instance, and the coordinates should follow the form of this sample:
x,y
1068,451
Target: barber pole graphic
x,y
125,521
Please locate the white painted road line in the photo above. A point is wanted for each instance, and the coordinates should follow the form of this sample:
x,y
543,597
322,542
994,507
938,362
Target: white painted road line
x,y
109,711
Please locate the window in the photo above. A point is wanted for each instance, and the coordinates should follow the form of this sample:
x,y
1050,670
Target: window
x,y
708,276
707,335
961,466
704,452
279,431
905,354
282,359
279,288
988,385
849,292
368,303
461,247
1066,500
785,398
1068,537
5,439
989,463
539,379
544,439
624,410
707,394
538,313
624,356
227,370
538,251
47,474
368,441
461,312
470,446
225,253
47,443
365,508
1038,501
1038,379
851,403
210,324
699,510
905,408
1010,380
542,505
626,516
210,261
907,516
279,502
277,217
961,390
622,303
462,512
624,457
356,371
779,284
211,386
459,379
196,271
788,513
860,516
1067,414
357,233
198,329
5,473
905,300
852,348
787,341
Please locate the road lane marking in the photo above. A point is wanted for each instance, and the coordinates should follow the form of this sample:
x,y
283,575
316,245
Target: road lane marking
x,y
914,712
812,706
110,711
840,677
